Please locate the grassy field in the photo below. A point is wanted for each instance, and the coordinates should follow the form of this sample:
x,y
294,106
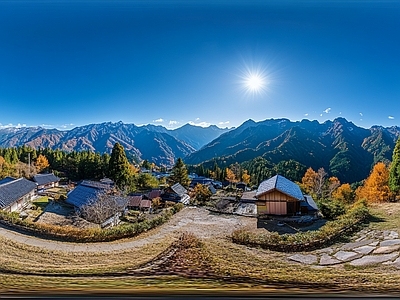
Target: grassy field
x,y
41,202
190,264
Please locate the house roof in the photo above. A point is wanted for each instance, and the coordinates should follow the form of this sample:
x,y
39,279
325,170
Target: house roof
x,y
179,189
42,179
154,194
310,202
12,190
145,204
135,200
281,184
7,179
85,192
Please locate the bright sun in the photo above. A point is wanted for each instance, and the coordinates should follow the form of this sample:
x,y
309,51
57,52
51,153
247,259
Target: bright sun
x,y
254,82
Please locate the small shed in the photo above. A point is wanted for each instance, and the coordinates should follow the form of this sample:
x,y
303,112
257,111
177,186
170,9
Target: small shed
x,y
278,196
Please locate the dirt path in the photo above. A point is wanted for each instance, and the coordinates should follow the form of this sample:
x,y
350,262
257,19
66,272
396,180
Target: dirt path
x,y
199,221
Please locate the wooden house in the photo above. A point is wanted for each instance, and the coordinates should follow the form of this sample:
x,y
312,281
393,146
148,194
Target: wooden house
x,y
175,193
279,196
45,181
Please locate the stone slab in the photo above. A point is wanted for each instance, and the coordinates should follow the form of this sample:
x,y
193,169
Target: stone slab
x,y
327,260
396,263
365,249
386,249
308,259
351,246
374,243
373,259
347,255
390,242
328,250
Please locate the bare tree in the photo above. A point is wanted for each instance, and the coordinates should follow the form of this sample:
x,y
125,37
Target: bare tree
x,y
103,207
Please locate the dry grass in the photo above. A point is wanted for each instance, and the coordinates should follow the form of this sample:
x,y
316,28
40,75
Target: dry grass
x,y
224,266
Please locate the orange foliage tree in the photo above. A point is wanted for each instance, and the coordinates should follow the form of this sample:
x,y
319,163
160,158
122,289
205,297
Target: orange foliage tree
x,y
376,186
245,177
41,163
230,176
344,193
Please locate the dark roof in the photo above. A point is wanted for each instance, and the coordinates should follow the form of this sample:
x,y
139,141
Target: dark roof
x,y
154,194
281,184
42,179
134,201
85,192
310,203
13,190
7,179
178,189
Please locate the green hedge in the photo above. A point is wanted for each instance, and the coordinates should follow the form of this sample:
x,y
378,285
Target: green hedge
x,y
308,240
73,234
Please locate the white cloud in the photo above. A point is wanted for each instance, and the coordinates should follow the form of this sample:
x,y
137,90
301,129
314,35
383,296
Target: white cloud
x,y
160,120
223,123
172,122
391,117
197,119
201,124
340,113
320,115
12,125
327,111
361,114
306,115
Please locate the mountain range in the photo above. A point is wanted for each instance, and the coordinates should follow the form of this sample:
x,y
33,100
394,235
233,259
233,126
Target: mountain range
x,y
343,149
154,143
340,147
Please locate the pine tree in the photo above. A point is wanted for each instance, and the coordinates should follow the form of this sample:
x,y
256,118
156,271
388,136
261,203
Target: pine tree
x,y
180,174
394,173
118,168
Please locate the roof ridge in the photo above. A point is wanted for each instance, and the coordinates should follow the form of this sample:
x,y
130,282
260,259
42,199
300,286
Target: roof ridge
x,y
15,180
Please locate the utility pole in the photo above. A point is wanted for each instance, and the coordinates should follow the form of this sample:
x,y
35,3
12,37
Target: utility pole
x,y
29,164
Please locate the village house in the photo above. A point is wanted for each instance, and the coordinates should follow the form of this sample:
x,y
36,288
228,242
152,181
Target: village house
x,y
280,196
15,194
45,181
175,193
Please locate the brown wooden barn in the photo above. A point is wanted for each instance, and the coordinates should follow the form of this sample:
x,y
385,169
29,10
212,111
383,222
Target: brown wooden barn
x,y
279,196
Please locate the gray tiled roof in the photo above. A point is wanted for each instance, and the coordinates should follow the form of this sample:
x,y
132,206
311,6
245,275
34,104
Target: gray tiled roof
x,y
42,179
179,189
7,179
281,184
14,190
85,192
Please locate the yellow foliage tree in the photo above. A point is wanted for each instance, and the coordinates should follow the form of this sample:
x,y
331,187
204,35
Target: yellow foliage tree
x,y
333,184
376,186
245,177
344,193
230,176
309,181
41,163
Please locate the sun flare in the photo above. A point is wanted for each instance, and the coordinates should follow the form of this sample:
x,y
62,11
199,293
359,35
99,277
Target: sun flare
x,y
255,82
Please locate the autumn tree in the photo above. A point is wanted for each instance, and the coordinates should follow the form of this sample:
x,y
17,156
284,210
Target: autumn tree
x,y
179,174
344,194
309,181
145,181
376,186
202,193
119,168
245,177
230,176
332,184
41,163
394,172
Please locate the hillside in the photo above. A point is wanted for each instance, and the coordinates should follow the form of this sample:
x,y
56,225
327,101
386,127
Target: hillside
x,y
342,148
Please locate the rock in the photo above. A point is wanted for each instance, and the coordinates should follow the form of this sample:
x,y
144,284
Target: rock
x,y
390,242
386,249
373,259
347,255
327,260
351,246
328,250
396,263
364,249
308,259
374,243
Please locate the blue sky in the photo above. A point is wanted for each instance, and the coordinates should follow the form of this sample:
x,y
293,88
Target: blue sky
x,y
69,63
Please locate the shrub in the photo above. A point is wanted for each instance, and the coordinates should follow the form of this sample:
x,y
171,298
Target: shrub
x,y
306,240
331,209
74,234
